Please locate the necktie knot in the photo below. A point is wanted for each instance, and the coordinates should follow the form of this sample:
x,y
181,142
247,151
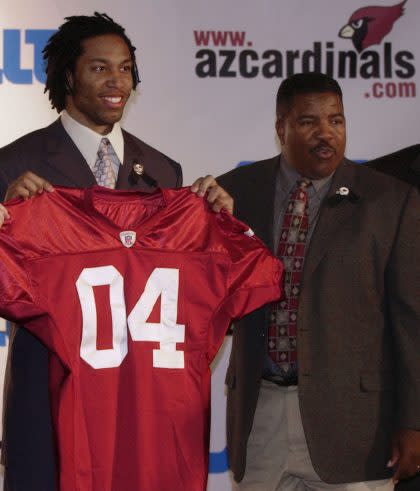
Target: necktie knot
x,y
304,183
103,148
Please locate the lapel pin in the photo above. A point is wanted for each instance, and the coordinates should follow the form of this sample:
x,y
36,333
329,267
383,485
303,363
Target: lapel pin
x,y
138,168
343,191
139,172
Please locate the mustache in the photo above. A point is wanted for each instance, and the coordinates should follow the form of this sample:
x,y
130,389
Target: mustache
x,y
322,145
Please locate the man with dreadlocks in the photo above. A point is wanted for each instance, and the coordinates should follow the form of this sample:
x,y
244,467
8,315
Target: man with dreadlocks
x,y
91,71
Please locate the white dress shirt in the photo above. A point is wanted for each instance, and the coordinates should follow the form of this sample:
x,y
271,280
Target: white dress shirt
x,y
87,140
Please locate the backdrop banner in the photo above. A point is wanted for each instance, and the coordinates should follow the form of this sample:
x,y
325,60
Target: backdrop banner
x,y
209,75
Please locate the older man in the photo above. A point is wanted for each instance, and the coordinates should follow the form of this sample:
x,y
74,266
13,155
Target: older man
x,y
324,386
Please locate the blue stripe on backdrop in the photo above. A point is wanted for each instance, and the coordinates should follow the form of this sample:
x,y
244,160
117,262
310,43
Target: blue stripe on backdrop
x,y
4,331
218,462
244,162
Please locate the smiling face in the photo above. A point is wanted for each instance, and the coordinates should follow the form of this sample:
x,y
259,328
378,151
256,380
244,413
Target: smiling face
x,y
313,134
101,83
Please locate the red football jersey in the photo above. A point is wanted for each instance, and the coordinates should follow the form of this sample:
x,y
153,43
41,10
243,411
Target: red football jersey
x,y
132,294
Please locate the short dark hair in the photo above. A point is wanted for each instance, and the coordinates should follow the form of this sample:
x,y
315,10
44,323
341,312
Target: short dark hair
x,y
304,83
65,46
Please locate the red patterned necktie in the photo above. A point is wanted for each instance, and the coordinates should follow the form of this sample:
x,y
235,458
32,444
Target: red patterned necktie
x,y
103,169
282,329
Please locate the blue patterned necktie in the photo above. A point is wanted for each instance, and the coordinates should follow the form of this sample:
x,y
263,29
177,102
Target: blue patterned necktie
x,y
103,170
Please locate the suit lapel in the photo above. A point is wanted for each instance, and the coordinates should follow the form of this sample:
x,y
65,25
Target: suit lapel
x,y
132,154
126,177
334,212
64,157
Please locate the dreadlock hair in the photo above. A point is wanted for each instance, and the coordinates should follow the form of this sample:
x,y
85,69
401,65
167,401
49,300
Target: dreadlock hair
x,y
65,46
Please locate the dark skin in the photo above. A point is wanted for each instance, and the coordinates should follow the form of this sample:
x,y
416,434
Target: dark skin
x,y
101,83
313,138
101,86
313,134
405,457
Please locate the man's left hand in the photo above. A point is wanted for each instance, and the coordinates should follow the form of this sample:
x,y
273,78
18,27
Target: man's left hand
x,y
405,454
217,196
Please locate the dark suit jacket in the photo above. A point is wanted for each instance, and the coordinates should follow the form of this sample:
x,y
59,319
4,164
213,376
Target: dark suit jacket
x,y
405,165
358,319
28,449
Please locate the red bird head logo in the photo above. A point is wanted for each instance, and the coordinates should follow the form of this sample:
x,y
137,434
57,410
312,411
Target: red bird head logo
x,y
369,25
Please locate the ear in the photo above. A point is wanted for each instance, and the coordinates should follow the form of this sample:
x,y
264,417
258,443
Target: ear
x,y
280,128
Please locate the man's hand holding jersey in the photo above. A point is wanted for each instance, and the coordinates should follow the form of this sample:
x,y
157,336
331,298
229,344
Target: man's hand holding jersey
x,y
26,186
4,214
217,197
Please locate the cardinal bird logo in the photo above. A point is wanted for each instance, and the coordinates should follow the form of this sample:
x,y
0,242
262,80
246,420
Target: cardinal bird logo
x,y
369,25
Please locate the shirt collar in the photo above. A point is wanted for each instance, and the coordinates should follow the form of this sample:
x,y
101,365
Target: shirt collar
x,y
87,140
289,175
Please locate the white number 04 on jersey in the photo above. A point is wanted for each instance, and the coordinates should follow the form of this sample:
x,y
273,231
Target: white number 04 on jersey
x,y
163,282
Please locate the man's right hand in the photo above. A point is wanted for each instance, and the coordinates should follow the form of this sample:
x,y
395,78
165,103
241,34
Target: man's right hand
x,y
27,185
4,214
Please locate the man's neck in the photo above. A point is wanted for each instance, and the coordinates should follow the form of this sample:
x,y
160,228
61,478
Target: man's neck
x,y
87,140
80,118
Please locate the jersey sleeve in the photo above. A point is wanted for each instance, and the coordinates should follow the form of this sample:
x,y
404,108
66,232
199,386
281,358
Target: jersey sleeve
x,y
254,278
16,296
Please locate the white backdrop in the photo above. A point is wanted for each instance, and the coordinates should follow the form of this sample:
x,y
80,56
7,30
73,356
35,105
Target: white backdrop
x,y
210,71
